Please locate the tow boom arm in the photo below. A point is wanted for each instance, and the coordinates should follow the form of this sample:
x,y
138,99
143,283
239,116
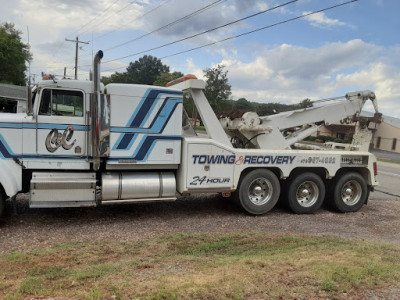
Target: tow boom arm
x,y
268,132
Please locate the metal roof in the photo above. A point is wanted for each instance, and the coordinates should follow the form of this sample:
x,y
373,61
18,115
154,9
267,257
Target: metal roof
x,y
13,91
389,120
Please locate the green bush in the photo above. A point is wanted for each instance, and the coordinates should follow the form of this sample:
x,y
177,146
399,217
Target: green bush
x,y
310,138
337,140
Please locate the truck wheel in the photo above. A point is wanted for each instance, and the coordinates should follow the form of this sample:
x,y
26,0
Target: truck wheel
x,y
259,191
306,193
350,192
2,203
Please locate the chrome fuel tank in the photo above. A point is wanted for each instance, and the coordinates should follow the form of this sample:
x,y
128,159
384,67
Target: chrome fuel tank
x,y
138,185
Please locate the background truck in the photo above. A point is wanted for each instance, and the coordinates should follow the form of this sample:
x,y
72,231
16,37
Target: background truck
x,y
84,144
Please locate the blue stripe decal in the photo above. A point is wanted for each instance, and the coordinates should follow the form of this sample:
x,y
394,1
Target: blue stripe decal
x,y
141,115
126,141
42,126
11,125
157,126
5,150
149,144
158,123
62,127
146,106
7,153
146,146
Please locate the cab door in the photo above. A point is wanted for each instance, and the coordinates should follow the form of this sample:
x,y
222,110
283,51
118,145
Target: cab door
x,y
61,124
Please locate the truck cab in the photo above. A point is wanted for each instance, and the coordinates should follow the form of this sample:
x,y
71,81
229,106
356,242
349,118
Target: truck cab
x,y
55,134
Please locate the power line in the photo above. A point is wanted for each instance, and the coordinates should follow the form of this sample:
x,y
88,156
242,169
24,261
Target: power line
x,y
236,36
204,32
86,24
101,14
103,21
262,28
143,15
215,3
76,41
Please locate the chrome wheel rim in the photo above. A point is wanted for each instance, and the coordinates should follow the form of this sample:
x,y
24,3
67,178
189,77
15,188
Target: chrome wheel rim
x,y
260,191
351,192
307,194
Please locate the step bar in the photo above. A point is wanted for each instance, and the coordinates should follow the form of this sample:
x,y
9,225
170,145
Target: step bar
x,y
62,190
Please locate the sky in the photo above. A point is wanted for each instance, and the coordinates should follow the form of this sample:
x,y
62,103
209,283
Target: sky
x,y
301,53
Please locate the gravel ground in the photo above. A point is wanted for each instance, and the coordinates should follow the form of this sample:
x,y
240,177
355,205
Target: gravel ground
x,y
32,228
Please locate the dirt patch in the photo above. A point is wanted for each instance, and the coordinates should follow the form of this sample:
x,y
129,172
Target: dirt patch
x,y
33,228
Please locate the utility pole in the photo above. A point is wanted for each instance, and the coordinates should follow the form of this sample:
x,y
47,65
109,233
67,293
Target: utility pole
x,y
77,41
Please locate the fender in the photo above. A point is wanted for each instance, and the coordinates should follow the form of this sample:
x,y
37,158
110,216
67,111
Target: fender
x,y
10,177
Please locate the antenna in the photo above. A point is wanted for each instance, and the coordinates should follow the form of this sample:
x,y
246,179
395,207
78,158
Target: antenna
x,y
29,61
30,104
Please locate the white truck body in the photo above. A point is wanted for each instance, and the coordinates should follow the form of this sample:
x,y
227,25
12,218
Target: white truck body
x,y
83,144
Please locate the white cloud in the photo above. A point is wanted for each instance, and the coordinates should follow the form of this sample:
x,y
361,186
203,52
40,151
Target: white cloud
x,y
284,73
384,80
208,18
262,6
321,20
288,73
50,23
193,69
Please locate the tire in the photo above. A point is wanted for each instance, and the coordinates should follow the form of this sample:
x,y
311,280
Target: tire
x,y
259,191
2,203
306,193
235,198
349,192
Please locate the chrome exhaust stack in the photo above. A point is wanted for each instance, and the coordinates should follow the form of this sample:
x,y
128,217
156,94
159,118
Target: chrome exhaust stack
x,y
100,117
96,71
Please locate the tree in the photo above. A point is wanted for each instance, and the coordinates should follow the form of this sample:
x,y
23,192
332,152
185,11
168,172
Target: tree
x,y
13,55
217,88
145,70
115,78
164,78
242,103
305,103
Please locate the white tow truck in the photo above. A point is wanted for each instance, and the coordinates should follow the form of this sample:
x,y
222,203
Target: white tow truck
x,y
84,144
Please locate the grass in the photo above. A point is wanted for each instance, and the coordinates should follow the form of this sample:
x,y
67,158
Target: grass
x,y
200,128
198,266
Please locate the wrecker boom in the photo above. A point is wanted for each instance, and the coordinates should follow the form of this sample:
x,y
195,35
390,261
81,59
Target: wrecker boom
x,y
268,132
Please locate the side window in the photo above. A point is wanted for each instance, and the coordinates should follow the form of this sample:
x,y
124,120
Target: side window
x,y
44,108
61,103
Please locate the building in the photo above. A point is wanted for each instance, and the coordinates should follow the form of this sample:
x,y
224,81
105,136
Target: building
x,y
13,98
337,130
386,135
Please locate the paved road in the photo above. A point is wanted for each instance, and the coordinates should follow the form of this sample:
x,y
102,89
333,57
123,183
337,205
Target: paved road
x,y
386,154
389,182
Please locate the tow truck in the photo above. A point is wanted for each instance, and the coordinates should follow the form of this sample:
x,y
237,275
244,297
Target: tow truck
x,y
81,144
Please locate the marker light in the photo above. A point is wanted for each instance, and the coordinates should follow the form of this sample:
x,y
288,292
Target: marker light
x,y
375,169
180,79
